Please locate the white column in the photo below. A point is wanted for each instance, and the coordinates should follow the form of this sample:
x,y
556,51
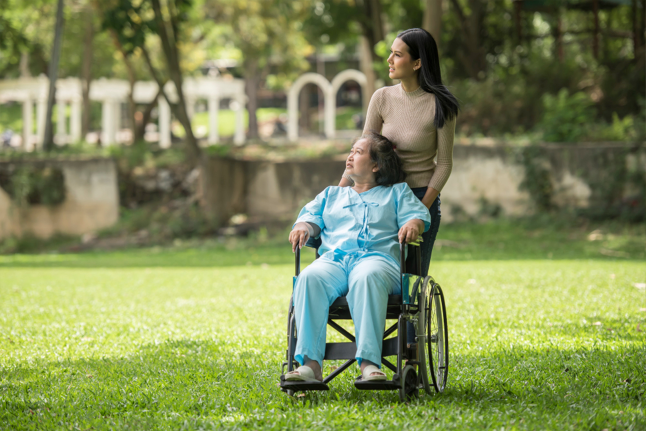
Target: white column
x,y
329,103
75,121
107,123
27,123
61,129
214,107
238,137
190,107
41,112
292,112
164,123
117,119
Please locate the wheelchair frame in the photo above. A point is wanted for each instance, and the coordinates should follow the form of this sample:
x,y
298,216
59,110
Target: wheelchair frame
x,y
421,301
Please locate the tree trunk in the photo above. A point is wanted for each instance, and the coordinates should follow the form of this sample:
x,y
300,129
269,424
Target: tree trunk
x,y
24,65
518,14
473,58
252,82
433,19
371,24
132,80
558,36
86,71
367,69
169,45
595,37
140,129
53,75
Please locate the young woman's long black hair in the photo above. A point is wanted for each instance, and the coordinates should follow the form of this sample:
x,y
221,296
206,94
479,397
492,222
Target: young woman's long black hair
x,y
422,45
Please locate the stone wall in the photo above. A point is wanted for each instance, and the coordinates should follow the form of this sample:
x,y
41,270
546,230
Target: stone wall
x,y
481,176
91,202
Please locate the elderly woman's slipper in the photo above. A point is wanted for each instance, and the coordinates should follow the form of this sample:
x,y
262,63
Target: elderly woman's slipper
x,y
372,373
301,374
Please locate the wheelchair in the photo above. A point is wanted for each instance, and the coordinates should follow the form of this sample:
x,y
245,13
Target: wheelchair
x,y
421,302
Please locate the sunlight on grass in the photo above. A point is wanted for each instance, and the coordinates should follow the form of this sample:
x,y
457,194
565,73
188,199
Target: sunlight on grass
x,y
534,345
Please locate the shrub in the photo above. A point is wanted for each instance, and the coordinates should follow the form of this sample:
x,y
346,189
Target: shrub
x,y
33,184
618,130
567,117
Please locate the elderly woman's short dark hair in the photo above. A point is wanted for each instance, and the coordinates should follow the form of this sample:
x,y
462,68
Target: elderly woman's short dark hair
x,y
382,152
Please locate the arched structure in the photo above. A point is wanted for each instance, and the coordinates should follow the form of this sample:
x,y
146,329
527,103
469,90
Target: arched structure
x,y
338,81
329,98
292,102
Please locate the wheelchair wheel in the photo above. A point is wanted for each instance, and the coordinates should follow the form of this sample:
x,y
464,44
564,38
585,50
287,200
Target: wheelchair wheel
x,y
290,362
408,387
434,344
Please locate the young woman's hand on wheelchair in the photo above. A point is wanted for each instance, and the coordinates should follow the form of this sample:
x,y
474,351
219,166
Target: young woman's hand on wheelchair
x,y
409,232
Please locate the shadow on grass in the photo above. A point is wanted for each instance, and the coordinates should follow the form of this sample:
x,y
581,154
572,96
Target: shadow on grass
x,y
223,383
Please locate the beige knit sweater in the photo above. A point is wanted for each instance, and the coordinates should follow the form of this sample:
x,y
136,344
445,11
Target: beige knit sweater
x,y
407,120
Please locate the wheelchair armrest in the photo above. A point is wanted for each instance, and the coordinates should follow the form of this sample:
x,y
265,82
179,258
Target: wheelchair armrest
x,y
314,242
413,259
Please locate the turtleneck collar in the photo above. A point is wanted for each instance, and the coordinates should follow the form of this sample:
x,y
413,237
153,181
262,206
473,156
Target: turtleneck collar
x,y
414,93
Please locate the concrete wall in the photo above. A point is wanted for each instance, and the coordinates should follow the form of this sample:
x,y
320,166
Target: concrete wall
x,y
480,174
91,202
271,190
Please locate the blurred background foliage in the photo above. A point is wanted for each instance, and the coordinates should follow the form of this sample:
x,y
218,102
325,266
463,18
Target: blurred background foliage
x,y
537,73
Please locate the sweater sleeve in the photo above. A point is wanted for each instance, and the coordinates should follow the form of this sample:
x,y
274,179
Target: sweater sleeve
x,y
374,120
445,137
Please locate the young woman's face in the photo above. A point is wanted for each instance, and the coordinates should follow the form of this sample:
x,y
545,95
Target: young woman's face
x,y
401,65
359,164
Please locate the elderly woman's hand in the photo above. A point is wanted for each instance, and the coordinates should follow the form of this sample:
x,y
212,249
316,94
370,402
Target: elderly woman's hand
x,y
410,231
299,235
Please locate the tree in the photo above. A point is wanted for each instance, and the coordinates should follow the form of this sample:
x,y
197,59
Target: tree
x,y
433,19
12,42
86,68
472,52
53,74
268,34
132,25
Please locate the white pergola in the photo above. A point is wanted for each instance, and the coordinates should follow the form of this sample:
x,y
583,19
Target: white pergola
x,y
112,93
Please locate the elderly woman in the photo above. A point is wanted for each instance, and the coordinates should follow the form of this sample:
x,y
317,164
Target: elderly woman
x,y
360,229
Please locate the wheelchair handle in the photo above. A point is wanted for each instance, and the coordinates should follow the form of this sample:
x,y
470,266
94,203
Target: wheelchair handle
x,y
298,261
402,257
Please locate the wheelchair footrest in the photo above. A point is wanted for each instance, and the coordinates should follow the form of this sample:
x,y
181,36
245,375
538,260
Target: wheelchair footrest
x,y
302,386
377,385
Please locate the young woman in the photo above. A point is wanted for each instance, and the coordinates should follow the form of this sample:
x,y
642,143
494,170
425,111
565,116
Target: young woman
x,y
360,228
418,115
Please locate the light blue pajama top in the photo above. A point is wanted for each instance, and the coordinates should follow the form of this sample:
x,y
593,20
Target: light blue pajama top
x,y
368,222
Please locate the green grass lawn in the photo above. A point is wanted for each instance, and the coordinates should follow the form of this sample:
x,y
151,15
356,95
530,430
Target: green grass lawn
x,y
193,338
227,120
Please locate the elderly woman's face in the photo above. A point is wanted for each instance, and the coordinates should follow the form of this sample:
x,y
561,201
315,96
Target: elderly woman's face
x,y
359,164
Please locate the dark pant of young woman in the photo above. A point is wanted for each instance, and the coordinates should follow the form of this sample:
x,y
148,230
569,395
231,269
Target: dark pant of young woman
x,y
427,244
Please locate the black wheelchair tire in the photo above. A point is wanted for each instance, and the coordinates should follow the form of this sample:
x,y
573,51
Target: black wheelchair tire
x,y
437,338
434,342
408,389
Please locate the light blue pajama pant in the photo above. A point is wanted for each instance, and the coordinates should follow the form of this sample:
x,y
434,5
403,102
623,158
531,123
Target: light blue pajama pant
x,y
366,280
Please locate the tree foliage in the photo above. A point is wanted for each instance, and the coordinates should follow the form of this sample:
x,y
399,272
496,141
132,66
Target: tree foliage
x,y
269,35
500,75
